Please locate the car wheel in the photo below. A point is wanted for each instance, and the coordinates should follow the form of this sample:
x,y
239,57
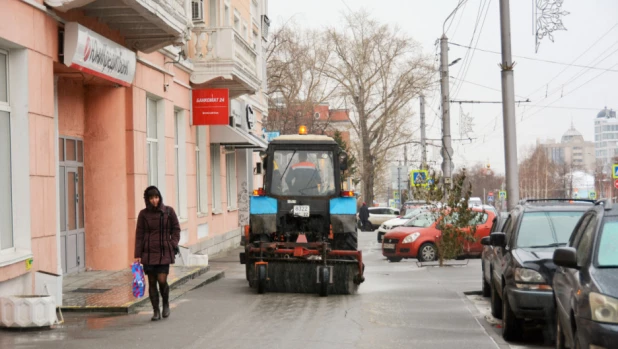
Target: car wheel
x,y
394,259
496,302
486,287
427,252
559,334
511,326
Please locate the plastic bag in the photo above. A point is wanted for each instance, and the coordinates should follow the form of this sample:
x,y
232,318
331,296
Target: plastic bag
x,y
139,281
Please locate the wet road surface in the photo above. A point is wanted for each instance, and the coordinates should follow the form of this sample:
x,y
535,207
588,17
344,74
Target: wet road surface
x,y
399,306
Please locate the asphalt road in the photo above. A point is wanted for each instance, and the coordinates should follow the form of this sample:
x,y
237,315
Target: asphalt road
x,y
399,306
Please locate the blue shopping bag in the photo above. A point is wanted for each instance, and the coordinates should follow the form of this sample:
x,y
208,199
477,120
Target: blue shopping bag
x,y
139,282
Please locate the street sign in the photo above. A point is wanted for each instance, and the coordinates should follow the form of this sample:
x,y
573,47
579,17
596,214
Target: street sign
x,y
418,178
491,193
592,195
615,171
490,198
502,194
616,184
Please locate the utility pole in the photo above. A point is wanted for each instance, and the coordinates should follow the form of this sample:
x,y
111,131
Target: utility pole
x,y
423,136
447,149
508,108
399,183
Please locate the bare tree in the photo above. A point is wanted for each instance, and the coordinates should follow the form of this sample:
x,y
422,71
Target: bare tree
x,y
296,59
379,71
482,180
539,177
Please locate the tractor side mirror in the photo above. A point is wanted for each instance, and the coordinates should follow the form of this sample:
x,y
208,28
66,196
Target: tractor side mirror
x,y
264,157
343,161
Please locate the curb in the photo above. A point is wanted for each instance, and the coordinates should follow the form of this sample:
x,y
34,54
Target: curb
x,y
131,306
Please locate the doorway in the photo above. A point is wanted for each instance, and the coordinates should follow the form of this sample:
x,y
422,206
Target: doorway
x,y
72,232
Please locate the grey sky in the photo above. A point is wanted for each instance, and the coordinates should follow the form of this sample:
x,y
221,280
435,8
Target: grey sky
x,y
422,19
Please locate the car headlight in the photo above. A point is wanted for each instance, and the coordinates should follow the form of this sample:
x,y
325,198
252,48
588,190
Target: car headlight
x,y
411,238
528,276
603,308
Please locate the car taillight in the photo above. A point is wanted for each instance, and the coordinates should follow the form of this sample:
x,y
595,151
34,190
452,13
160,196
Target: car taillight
x,y
347,193
259,192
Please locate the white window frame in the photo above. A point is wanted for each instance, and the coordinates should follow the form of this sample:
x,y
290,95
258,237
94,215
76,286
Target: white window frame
x,y
6,107
213,16
181,162
158,142
200,171
215,177
245,30
236,23
227,14
231,180
255,12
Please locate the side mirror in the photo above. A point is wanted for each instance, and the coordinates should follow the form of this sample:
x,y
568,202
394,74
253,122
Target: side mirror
x,y
566,257
485,241
264,157
343,161
497,239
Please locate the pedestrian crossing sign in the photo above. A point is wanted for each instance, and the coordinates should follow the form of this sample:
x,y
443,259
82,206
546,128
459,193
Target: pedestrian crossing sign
x,y
502,194
418,178
615,170
592,195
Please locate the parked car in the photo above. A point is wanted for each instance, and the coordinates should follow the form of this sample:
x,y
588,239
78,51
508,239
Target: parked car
x,y
379,215
522,269
399,221
586,282
412,204
488,254
475,201
417,238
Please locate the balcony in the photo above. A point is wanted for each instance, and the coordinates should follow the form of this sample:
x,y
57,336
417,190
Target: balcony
x,y
223,59
146,25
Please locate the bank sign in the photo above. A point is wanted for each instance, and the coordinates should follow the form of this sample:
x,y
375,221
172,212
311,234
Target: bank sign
x,y
94,54
211,106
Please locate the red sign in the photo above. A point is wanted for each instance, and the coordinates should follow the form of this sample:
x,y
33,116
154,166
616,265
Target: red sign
x,y
616,184
211,107
491,193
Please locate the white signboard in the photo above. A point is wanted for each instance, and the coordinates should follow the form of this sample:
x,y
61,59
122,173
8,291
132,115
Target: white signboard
x,y
94,54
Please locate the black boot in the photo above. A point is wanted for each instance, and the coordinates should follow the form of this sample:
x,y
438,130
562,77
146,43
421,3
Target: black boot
x,y
154,299
165,293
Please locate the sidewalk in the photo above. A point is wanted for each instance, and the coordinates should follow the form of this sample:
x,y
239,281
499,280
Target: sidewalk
x,y
111,291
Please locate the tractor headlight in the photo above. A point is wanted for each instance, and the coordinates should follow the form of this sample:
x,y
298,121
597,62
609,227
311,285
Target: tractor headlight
x,y
411,238
603,308
529,276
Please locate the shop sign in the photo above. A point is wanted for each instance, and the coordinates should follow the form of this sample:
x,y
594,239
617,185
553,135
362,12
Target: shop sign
x,y
94,54
211,106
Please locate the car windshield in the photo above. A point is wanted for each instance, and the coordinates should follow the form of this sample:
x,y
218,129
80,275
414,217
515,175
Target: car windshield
x,y
303,173
415,212
547,229
607,256
422,221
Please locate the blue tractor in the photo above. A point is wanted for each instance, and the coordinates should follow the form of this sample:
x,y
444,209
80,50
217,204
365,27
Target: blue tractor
x,y
302,235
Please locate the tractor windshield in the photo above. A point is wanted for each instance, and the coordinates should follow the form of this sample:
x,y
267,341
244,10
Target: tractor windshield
x,y
303,173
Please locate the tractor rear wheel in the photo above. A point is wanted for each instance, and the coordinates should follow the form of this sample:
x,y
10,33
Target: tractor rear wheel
x,y
262,278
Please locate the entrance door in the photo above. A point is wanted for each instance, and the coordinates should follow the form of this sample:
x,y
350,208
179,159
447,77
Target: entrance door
x,y
72,240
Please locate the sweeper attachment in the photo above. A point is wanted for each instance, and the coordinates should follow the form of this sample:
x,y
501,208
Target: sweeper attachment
x,y
302,236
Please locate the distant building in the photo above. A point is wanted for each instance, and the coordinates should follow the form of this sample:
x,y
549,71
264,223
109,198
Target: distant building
x,y
572,150
606,136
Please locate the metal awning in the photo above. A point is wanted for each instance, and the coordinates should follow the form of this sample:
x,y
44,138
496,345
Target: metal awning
x,y
236,137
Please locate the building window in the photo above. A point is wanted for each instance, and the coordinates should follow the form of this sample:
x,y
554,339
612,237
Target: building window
x,y
152,141
212,13
6,201
215,169
200,174
230,175
180,141
226,13
245,31
237,21
255,11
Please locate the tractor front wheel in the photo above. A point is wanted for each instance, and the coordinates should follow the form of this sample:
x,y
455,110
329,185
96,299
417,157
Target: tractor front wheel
x,y
262,278
324,281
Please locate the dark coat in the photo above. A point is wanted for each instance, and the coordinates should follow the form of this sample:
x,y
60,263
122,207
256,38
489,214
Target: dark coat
x,y
157,233
363,213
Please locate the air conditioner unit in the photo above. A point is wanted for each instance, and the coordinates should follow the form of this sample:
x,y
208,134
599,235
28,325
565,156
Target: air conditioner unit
x,y
197,10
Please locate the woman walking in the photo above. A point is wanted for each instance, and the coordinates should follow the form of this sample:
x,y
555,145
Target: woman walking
x,y
156,242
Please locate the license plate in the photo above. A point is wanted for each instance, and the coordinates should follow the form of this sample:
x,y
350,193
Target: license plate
x,y
301,211
389,246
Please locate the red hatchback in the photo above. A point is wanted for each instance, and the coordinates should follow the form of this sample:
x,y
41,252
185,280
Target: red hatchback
x,y
417,238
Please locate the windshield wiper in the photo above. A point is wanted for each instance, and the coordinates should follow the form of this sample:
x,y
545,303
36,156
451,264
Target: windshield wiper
x,y
555,244
289,162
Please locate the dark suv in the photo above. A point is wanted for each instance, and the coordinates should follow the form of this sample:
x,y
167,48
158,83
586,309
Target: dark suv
x,y
586,282
522,269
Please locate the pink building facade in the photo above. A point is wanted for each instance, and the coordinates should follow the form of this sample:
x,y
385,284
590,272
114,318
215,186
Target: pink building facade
x,y
93,109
